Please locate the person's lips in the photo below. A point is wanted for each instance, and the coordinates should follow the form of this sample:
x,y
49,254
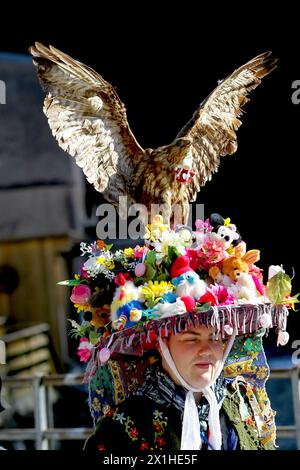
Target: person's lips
x,y
203,365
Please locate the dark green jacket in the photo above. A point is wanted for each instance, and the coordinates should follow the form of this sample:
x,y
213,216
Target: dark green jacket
x,y
140,424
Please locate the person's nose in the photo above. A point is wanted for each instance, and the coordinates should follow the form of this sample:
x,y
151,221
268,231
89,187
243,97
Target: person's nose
x,y
204,348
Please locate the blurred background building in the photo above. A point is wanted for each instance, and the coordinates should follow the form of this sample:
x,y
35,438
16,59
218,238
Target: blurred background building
x,y
42,220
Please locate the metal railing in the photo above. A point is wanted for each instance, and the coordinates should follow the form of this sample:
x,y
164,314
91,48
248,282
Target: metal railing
x,y
45,434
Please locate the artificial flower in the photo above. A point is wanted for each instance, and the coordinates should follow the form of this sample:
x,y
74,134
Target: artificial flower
x,y
85,350
109,264
81,294
140,251
101,260
121,278
217,295
101,245
203,226
129,252
155,290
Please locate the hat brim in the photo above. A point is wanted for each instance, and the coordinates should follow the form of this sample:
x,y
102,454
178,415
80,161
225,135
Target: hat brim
x,y
242,319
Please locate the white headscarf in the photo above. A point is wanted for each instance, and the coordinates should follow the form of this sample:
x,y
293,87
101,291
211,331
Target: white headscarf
x,y
190,435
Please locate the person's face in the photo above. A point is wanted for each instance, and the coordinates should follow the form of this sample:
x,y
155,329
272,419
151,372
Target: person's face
x,y
195,354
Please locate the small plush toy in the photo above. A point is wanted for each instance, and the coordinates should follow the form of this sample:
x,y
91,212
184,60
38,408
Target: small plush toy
x,y
235,273
186,280
126,299
181,305
224,231
100,316
128,315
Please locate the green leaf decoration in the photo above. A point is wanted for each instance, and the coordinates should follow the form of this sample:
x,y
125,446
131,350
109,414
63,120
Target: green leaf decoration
x,y
70,282
150,272
173,254
93,337
202,307
162,277
279,287
139,280
108,247
151,258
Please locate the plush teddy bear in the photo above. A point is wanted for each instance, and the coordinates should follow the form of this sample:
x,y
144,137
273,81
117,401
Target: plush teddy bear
x,y
235,276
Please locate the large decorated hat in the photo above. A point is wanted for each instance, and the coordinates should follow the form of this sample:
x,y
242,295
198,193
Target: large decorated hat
x,y
127,299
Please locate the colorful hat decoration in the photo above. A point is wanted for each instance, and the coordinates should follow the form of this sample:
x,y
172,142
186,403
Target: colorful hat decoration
x,y
168,294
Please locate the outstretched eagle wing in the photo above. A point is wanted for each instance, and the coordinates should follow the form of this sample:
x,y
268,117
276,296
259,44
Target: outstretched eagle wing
x,y
89,121
212,127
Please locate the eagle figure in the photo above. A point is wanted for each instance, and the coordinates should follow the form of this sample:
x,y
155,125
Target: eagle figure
x,y
89,121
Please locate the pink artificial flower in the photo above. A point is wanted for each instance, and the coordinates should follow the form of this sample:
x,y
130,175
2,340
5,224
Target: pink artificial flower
x,y
139,251
203,226
85,350
257,272
121,278
81,294
217,295
257,277
83,273
211,253
222,294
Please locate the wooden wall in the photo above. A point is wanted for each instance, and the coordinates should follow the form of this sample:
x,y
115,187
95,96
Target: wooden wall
x,y
38,298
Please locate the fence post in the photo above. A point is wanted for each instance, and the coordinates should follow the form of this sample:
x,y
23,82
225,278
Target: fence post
x,y
40,413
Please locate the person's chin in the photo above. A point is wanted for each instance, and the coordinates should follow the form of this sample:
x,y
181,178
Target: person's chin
x,y
203,376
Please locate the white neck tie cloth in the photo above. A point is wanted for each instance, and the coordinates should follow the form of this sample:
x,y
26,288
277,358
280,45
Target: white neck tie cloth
x,y
190,435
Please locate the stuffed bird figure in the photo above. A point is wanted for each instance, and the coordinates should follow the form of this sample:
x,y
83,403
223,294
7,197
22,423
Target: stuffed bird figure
x,y
89,121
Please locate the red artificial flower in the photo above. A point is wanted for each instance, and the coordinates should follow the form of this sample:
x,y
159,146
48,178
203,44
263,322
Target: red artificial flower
x,y
133,432
121,278
208,297
157,426
193,257
144,446
160,441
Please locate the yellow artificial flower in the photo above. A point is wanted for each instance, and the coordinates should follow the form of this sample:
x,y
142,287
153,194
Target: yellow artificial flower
x,y
77,277
153,231
109,264
155,290
148,233
158,223
82,308
226,221
101,259
128,252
